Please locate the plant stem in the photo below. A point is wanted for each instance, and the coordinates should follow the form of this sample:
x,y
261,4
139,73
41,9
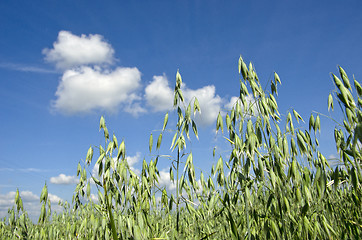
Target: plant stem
x,y
177,190
113,227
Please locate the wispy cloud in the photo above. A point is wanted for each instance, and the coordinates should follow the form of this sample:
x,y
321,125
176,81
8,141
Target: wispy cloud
x,y
26,170
26,68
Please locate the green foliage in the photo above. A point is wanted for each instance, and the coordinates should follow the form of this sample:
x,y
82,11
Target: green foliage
x,y
275,183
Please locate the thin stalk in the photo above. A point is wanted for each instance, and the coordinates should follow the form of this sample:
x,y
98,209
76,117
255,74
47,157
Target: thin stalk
x,y
113,227
177,190
247,213
282,219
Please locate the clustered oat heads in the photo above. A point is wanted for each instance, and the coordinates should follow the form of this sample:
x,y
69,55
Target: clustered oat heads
x,y
274,184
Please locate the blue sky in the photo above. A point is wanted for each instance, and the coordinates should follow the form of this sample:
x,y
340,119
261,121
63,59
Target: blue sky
x,y
64,64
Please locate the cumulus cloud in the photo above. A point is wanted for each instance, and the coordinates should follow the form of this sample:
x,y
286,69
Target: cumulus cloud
x,y
165,181
85,89
232,102
250,101
94,198
29,196
7,199
133,105
70,50
210,103
54,198
131,160
159,96
88,84
64,179
30,202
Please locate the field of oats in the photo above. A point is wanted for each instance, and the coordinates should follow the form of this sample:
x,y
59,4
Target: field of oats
x,y
274,185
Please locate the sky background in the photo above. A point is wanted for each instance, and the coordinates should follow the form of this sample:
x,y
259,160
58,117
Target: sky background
x,y
63,64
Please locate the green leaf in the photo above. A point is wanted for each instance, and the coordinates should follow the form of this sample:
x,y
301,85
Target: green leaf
x,y
178,79
311,122
115,142
301,143
354,178
171,175
121,151
89,155
159,140
234,229
88,190
297,116
274,88
79,169
173,141
272,178
165,121
194,128
228,122
261,167
330,102
106,134
44,194
275,229
337,81
276,78
293,147
102,123
358,87
243,89
151,142
317,124
244,68
219,123
96,181
196,106
344,78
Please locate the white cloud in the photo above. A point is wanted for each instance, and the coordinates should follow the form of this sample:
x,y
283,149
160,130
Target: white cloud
x,y
7,199
133,105
31,203
64,179
70,50
131,160
85,89
94,198
25,68
158,94
28,196
250,101
232,102
165,181
23,169
210,103
54,198
87,84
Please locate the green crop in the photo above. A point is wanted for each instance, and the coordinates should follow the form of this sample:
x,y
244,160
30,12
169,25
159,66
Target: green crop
x,y
274,184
